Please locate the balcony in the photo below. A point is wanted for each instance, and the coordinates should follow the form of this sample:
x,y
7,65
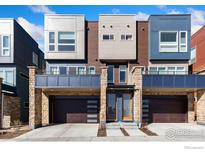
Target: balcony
x,y
8,89
174,81
67,81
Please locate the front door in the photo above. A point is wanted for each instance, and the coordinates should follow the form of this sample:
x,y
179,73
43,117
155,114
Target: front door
x,y
119,107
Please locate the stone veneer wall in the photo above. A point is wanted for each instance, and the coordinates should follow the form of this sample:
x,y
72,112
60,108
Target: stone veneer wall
x,y
200,106
137,81
191,113
103,88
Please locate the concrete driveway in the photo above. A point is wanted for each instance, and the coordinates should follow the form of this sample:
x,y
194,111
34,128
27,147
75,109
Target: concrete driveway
x,y
61,132
179,131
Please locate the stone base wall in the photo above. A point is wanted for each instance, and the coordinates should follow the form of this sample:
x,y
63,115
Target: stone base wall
x,y
200,106
191,113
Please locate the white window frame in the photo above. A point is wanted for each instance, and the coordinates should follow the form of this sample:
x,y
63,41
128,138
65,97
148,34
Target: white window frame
x,y
109,37
182,43
52,43
77,73
168,43
166,70
89,70
7,48
125,70
125,37
66,43
113,72
4,70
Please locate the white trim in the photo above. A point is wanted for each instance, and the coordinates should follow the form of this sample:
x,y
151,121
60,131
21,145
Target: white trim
x,y
182,43
113,71
125,70
6,48
168,43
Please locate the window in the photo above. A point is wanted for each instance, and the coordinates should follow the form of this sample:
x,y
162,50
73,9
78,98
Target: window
x,y
108,37
111,106
171,70
54,70
91,70
162,70
5,45
180,70
110,74
122,70
8,75
51,41
153,70
66,41
126,37
62,70
35,59
81,70
183,41
193,56
168,42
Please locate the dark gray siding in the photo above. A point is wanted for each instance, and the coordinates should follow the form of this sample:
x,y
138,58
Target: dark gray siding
x,y
168,23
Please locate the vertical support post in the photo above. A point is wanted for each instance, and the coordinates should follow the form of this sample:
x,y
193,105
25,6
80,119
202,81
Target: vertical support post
x,y
103,88
1,106
45,109
190,107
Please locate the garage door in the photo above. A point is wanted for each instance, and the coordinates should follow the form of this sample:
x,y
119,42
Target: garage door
x,y
76,109
165,109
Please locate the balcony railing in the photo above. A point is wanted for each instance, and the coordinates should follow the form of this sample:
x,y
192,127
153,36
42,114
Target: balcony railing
x,y
8,88
173,81
67,81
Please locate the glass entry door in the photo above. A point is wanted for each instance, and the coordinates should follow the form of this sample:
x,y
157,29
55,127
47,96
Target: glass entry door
x,y
119,107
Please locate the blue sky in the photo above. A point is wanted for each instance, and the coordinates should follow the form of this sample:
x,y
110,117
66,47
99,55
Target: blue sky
x,y
32,17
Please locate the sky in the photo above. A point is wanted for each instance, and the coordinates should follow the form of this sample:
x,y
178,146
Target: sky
x,y
31,17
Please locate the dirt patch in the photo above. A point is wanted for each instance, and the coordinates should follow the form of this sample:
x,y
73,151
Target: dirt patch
x,y
10,135
102,132
125,133
148,132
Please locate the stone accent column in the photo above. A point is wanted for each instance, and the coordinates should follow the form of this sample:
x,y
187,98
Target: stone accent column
x,y
103,88
190,107
1,114
201,106
45,109
32,73
137,81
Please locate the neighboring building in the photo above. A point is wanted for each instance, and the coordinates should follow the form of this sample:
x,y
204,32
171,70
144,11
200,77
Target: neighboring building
x,y
197,52
116,69
17,51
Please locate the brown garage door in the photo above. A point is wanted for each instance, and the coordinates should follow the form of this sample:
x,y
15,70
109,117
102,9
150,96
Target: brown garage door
x,y
166,109
67,109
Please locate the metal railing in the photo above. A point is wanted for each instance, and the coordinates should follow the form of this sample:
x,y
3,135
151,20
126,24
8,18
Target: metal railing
x,y
8,89
68,81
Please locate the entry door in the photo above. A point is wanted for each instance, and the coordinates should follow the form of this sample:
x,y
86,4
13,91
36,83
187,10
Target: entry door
x,y
127,107
119,107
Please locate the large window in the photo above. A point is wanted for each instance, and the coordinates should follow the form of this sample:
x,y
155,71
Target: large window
x,y
8,75
5,45
108,37
91,70
51,41
153,70
111,107
168,42
35,59
167,70
66,41
183,41
110,74
122,72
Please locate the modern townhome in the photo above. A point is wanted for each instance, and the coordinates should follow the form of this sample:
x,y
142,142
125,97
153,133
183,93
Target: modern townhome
x,y
17,51
116,69
197,53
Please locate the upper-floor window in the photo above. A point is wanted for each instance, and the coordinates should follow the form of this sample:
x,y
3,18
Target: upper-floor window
x,y
35,58
110,74
81,70
126,37
8,75
5,41
91,70
183,41
168,41
122,72
66,41
51,41
108,37
167,70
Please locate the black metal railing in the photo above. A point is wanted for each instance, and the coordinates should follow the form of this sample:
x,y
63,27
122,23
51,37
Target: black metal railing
x,y
8,88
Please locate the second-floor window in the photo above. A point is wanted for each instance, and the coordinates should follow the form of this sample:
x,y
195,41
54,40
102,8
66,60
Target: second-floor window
x,y
168,41
66,41
122,72
110,74
183,41
5,45
51,41
126,37
35,59
108,37
91,70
